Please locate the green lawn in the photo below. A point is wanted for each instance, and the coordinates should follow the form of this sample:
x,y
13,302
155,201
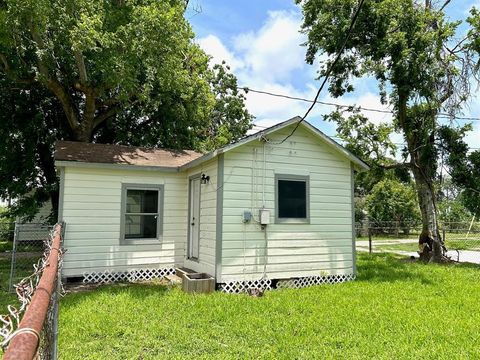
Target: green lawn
x,y
387,237
5,246
410,247
24,268
395,310
461,244
6,298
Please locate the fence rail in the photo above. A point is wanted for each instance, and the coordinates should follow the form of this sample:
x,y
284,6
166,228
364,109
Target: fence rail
x,y
36,335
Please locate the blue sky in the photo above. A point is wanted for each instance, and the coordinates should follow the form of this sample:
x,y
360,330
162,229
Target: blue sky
x,y
261,42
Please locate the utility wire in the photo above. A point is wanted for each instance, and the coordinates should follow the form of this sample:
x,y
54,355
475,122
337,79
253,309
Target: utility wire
x,y
440,115
339,138
330,68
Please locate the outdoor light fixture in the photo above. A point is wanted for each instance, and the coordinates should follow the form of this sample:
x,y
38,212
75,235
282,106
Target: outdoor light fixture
x,y
205,179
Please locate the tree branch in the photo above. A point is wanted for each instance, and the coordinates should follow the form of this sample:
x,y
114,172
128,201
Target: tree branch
x,y
6,66
444,5
99,119
90,108
395,166
82,70
54,86
10,73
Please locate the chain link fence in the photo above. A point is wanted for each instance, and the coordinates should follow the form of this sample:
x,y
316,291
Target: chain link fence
x,y
21,246
30,327
7,234
27,248
462,239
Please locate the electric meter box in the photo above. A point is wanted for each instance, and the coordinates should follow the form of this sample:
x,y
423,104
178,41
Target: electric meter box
x,y
247,216
264,216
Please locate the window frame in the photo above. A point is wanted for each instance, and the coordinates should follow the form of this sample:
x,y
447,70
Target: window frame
x,y
143,241
288,177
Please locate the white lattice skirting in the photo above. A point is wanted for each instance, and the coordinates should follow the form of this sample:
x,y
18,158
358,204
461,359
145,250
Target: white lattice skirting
x,y
314,280
134,275
237,287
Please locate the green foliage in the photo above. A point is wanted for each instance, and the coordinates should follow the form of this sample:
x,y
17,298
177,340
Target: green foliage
x,y
360,210
370,142
389,292
390,200
453,211
464,165
409,47
6,226
393,40
30,121
117,71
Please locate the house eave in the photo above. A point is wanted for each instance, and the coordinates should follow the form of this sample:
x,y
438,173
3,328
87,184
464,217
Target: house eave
x,y
91,165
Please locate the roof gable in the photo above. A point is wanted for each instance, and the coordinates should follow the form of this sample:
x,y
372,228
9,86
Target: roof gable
x,y
358,163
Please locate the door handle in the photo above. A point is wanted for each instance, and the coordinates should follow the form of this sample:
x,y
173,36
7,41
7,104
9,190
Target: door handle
x,y
192,223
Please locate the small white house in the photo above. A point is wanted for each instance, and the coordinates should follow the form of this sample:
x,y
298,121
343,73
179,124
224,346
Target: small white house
x,y
265,211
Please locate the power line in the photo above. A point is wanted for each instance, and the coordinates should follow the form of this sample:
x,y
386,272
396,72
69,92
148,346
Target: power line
x,y
330,68
339,138
289,97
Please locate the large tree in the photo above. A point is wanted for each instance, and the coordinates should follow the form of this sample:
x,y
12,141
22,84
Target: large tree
x,y
463,165
392,205
408,47
112,71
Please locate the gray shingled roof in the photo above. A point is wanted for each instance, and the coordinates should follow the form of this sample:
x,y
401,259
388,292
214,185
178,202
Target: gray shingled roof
x,y
119,154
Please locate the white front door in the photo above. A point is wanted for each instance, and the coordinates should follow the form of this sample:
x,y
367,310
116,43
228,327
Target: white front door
x,y
194,238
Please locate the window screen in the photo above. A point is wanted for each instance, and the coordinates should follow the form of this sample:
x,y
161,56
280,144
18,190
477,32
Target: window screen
x,y
292,198
141,214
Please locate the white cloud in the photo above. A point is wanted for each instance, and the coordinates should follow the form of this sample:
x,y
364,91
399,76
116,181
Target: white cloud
x,y
268,59
215,48
273,52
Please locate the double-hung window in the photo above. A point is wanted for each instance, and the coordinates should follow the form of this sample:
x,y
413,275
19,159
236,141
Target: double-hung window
x,y
142,213
292,199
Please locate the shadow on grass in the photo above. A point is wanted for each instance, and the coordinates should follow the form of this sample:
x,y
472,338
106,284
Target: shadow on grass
x,y
389,268
133,290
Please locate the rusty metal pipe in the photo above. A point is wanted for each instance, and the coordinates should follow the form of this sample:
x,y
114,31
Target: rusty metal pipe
x,y
24,345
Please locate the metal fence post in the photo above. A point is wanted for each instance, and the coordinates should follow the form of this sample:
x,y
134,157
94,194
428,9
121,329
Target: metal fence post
x,y
369,240
56,298
58,290
13,259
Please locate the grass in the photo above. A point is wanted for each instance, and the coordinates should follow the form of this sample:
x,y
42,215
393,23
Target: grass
x,y
396,309
451,236
410,247
24,268
461,244
6,298
387,237
5,246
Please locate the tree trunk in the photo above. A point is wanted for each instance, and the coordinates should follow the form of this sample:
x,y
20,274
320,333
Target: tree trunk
x,y
48,168
431,246
84,132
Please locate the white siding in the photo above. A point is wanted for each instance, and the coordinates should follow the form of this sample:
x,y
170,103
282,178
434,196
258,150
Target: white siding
x,y
91,210
322,247
208,213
